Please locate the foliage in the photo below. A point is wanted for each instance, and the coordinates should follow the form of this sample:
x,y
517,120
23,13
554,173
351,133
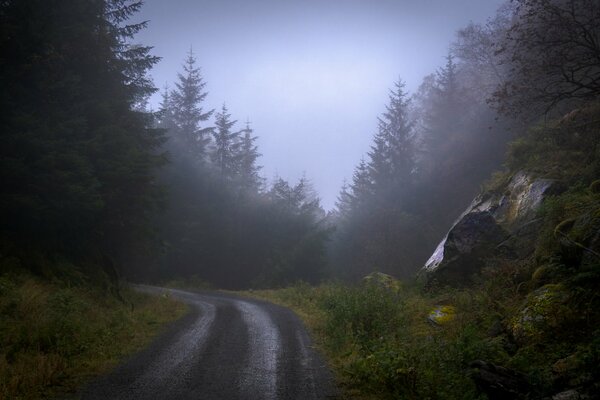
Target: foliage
x,y
222,224
54,337
382,345
78,156
184,106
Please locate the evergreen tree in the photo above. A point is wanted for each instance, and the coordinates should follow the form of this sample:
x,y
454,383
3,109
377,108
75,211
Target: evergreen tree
x,y
445,113
248,170
77,155
165,115
362,185
343,204
226,144
188,112
392,157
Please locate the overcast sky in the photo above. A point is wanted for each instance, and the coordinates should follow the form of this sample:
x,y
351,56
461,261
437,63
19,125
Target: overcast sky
x,y
311,75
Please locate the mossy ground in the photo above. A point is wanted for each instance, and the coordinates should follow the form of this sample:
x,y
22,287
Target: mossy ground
x,y
54,338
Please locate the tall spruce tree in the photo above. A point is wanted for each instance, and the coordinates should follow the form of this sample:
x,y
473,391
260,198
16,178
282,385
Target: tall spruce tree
x,y
248,170
225,154
380,231
343,204
165,117
392,157
362,185
188,111
444,116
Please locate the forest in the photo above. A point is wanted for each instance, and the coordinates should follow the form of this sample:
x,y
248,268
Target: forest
x,y
100,189
184,195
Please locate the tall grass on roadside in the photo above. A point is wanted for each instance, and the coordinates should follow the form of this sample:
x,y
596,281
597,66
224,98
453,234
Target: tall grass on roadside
x,y
54,337
382,345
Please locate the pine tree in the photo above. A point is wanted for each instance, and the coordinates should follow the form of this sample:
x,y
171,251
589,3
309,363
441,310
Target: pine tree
x,y
447,83
392,157
343,204
226,144
165,117
362,185
188,112
445,113
248,171
78,155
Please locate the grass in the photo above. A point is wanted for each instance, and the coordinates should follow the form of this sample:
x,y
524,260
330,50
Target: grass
x,y
382,344
54,338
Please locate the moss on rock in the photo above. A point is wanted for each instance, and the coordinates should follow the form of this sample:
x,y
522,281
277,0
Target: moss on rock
x,y
544,310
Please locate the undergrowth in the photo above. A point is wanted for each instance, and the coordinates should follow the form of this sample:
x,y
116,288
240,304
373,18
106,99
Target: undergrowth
x,y
54,337
538,316
382,345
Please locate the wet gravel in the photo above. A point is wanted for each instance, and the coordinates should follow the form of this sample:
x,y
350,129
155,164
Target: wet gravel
x,y
226,348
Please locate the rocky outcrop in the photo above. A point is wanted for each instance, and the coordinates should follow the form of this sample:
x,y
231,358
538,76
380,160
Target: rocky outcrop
x,y
497,224
474,238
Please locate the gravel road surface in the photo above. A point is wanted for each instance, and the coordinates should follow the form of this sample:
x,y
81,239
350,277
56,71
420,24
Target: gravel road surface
x,y
226,348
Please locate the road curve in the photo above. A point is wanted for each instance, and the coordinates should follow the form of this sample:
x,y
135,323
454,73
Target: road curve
x,y
226,348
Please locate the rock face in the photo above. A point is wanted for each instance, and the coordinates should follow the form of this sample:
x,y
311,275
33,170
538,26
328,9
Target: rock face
x,y
472,239
488,228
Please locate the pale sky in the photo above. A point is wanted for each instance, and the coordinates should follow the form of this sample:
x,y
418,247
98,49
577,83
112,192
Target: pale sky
x,y
312,76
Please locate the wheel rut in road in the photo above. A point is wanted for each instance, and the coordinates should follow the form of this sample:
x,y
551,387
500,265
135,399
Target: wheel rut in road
x,y
228,348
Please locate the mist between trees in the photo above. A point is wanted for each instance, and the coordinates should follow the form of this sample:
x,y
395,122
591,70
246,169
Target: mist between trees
x,y
93,180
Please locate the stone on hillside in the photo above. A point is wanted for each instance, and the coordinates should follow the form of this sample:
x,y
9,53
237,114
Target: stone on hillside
x,y
494,225
384,281
441,315
544,311
520,202
471,240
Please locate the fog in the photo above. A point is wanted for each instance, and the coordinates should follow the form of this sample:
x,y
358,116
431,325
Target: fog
x,y
311,76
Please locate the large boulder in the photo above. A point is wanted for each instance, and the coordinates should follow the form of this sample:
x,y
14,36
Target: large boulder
x,y
471,240
500,223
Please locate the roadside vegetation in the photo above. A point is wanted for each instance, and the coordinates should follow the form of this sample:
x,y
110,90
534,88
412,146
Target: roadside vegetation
x,y
414,344
382,345
54,336
537,317
92,178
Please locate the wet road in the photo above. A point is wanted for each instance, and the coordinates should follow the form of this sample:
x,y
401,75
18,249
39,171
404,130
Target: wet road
x,y
226,348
